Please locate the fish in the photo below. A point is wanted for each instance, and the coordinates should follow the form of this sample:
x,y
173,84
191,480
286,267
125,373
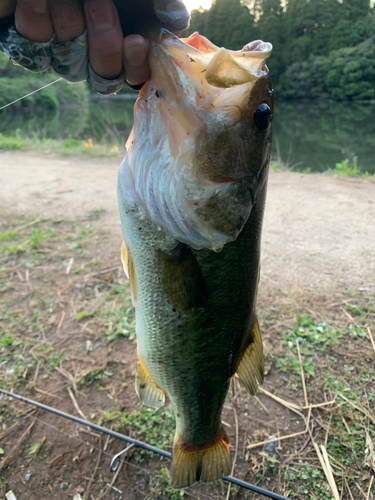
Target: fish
x,y
191,193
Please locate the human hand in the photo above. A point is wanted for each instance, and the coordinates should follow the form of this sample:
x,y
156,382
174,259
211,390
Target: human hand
x,y
109,53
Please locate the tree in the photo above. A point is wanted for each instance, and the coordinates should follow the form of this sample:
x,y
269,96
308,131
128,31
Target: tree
x,y
227,24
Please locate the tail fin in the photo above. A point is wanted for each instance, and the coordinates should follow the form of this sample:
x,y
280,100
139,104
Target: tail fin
x,y
204,463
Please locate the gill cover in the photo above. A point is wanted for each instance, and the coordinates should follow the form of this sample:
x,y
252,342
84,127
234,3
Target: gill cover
x,y
197,91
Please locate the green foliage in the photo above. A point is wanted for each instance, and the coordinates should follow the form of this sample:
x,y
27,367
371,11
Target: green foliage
x,y
311,337
10,143
227,24
158,426
347,168
322,48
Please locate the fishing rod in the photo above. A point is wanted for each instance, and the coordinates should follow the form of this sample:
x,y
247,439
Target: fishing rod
x,y
133,443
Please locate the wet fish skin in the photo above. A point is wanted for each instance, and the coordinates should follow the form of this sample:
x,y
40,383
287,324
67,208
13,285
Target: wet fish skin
x,y
195,307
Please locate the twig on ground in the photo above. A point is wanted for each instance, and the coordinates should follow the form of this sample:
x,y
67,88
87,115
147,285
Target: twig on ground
x,y
327,431
324,460
281,438
106,270
21,228
261,404
302,375
45,393
347,487
10,429
350,317
362,410
69,376
235,452
74,401
70,264
371,337
93,474
61,321
369,488
36,372
287,404
15,448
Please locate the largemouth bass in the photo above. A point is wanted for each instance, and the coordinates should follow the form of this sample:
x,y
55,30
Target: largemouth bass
x,y
191,193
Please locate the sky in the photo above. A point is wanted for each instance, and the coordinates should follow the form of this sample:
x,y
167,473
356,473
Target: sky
x,y
195,4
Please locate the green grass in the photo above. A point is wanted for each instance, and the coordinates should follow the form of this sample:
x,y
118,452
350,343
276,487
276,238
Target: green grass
x,y
345,168
67,147
157,427
338,362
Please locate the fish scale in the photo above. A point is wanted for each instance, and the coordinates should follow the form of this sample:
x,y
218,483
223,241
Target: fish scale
x,y
194,265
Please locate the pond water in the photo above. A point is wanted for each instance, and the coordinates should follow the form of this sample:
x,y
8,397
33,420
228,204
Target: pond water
x,y
311,136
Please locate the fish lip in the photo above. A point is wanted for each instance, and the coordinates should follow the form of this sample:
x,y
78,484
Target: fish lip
x,y
217,67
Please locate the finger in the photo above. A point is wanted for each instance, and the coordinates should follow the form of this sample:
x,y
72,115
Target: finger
x,y
33,20
7,7
67,19
137,69
105,38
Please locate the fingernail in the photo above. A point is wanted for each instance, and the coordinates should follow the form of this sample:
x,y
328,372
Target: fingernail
x,y
39,6
102,16
136,54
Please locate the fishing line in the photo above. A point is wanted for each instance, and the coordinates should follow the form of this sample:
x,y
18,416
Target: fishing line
x,y
138,444
31,93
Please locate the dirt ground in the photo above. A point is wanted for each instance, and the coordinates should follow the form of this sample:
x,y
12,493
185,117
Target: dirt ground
x,y
67,340
318,230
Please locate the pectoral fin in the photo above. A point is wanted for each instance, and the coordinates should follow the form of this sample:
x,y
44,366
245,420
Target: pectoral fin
x,y
128,265
147,390
251,367
182,278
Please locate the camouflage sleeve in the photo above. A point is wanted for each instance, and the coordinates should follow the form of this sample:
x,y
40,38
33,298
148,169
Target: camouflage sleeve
x,y
69,60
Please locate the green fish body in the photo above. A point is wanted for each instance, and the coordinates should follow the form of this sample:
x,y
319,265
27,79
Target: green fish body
x,y
191,193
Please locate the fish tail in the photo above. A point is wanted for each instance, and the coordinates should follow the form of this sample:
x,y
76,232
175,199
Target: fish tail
x,y
205,463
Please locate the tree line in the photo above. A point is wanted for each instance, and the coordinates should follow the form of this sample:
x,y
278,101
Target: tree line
x,y
322,48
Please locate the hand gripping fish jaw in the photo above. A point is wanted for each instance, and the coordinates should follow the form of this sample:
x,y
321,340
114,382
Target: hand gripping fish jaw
x,y
191,192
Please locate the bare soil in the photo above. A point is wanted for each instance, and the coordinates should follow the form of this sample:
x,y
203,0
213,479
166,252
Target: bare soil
x,y
319,231
318,260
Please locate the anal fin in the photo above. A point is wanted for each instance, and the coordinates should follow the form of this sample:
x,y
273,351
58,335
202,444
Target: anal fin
x,y
203,463
147,390
251,368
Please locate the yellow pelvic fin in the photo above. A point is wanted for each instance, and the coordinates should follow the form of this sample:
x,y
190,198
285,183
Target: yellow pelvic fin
x,y
124,259
204,463
251,367
128,265
148,392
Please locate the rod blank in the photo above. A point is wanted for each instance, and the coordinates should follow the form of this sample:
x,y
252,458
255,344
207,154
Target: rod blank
x,y
134,443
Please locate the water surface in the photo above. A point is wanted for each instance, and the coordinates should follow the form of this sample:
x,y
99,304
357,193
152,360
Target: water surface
x,y
311,136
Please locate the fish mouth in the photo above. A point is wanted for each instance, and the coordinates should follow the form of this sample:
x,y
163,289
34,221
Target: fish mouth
x,y
198,78
195,73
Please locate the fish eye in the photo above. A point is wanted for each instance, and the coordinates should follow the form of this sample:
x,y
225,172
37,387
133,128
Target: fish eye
x,y
263,117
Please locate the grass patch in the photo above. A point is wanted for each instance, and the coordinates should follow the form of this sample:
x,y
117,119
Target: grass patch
x,y
66,147
345,168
